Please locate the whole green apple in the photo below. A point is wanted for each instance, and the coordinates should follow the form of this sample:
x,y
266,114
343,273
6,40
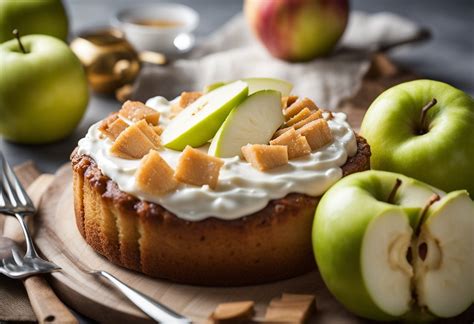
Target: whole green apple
x,y
297,30
46,17
435,146
43,90
390,247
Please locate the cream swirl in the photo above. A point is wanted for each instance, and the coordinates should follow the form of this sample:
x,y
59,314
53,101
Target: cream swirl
x,y
241,189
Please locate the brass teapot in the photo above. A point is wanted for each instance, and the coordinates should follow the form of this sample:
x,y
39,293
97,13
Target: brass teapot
x,y
109,59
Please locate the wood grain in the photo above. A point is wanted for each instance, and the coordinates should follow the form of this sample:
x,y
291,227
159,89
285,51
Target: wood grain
x,y
46,305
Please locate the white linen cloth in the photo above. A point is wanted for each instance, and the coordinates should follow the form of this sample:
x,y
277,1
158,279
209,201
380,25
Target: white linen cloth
x,y
233,52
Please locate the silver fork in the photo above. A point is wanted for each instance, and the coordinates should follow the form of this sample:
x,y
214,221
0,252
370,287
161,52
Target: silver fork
x,y
15,201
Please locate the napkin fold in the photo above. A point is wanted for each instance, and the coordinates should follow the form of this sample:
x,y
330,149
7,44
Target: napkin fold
x,y
232,53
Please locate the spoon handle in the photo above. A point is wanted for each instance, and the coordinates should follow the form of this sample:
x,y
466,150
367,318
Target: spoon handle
x,y
46,305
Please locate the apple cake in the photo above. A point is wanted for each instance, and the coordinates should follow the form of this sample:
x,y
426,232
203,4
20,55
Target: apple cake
x,y
200,218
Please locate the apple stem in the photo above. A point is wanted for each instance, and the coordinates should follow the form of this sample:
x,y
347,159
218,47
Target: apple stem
x,y
16,33
397,185
434,198
424,111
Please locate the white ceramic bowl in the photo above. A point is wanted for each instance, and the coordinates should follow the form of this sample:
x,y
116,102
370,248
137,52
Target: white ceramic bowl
x,y
168,40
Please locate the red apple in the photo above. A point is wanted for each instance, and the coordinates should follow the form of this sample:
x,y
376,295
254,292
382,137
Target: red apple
x,y
297,30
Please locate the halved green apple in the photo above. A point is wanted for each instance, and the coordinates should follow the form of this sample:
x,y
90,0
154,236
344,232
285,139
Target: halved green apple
x,y
445,274
392,256
199,122
253,121
258,84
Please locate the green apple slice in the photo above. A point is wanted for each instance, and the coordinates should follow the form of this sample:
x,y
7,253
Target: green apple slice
x,y
385,269
199,122
254,121
213,86
258,84
445,276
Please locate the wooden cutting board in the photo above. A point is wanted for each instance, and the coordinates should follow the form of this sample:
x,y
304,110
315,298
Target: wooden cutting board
x,y
59,240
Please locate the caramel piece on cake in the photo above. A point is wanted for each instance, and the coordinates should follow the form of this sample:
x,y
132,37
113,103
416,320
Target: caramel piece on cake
x,y
299,105
158,129
297,144
112,126
135,141
197,168
288,101
265,157
315,114
317,133
188,98
282,131
136,110
234,312
155,176
303,114
291,308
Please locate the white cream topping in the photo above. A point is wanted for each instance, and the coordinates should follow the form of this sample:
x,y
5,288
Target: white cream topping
x,y
242,189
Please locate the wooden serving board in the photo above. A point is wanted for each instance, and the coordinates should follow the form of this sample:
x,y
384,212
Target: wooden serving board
x,y
59,241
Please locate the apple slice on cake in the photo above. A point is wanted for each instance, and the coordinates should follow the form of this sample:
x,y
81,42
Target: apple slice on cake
x,y
199,122
258,84
254,121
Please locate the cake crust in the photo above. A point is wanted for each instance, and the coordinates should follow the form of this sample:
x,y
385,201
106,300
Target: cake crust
x,y
271,244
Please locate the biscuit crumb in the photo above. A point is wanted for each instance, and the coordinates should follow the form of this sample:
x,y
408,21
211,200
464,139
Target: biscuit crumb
x,y
297,144
155,176
188,98
233,312
136,111
265,157
197,168
299,105
135,141
317,133
288,101
291,308
112,126
303,114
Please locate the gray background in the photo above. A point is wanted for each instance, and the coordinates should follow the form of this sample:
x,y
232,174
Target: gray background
x,y
448,57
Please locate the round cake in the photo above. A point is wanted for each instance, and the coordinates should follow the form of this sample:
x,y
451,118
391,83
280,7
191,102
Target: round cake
x,y
248,226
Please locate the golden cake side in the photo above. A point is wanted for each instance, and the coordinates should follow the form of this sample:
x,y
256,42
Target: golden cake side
x,y
271,244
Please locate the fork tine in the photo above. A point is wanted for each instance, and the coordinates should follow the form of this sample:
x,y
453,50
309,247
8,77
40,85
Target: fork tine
x,y
3,193
5,183
18,259
12,181
3,203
